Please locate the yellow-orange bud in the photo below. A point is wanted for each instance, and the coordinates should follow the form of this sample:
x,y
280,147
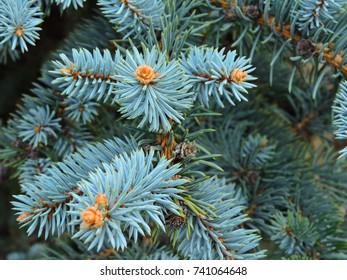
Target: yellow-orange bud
x,y
100,200
19,31
238,76
145,74
92,217
37,129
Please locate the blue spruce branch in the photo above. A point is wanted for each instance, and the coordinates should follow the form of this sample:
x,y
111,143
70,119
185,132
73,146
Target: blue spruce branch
x,y
19,26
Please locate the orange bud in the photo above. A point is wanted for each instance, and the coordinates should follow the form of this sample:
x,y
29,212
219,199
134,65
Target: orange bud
x,y
92,217
19,31
238,76
145,74
100,200
37,129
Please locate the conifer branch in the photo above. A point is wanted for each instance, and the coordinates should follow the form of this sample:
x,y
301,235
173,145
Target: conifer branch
x,y
87,75
64,4
213,234
214,73
212,181
216,221
78,75
19,26
143,13
284,29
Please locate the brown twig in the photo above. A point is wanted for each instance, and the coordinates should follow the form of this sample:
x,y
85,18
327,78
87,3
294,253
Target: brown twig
x,y
134,11
48,206
77,74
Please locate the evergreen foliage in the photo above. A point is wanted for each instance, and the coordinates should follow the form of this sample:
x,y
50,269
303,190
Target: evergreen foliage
x,y
213,73
200,129
86,75
19,22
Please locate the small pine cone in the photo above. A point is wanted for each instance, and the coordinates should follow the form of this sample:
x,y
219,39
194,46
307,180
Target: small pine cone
x,y
230,14
252,12
305,48
184,149
175,222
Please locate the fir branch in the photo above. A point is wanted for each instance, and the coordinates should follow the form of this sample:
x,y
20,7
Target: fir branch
x,y
123,197
19,25
37,125
80,110
212,72
153,88
131,16
122,194
294,233
64,4
285,31
179,28
44,203
87,75
32,168
313,13
216,232
62,250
